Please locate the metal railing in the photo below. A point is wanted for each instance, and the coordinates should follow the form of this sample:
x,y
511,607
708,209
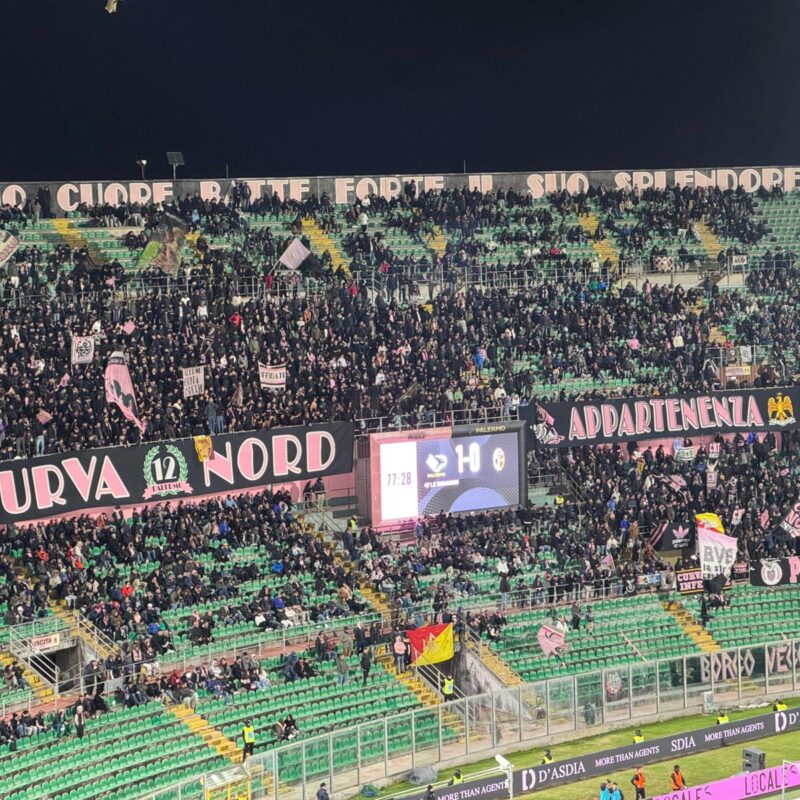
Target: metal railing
x,y
529,715
434,419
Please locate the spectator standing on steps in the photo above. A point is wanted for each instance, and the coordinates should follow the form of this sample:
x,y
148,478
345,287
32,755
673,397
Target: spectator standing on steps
x,y
342,669
366,665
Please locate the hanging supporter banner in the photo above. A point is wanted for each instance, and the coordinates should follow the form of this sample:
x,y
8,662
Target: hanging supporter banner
x,y
119,388
791,522
775,571
717,552
431,644
272,378
82,349
9,244
550,639
128,476
194,381
672,536
689,581
641,418
67,195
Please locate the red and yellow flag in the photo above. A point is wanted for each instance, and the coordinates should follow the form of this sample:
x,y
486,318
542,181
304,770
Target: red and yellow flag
x,y
431,644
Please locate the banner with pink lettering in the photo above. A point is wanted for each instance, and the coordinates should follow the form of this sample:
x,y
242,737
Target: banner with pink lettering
x,y
745,785
641,418
91,480
119,388
9,244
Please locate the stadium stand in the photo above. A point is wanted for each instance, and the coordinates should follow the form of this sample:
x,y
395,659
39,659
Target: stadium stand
x,y
437,303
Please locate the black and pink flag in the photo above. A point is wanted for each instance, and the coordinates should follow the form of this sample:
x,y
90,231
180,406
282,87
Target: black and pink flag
x,y
119,388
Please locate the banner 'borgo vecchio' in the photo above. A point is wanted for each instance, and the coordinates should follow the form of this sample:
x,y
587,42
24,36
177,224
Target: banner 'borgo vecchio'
x,y
118,476
641,418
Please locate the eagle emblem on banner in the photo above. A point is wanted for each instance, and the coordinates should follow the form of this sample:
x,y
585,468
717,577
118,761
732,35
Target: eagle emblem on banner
x,y
780,410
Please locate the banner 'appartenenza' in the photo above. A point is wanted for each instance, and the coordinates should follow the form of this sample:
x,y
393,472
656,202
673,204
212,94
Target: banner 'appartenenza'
x,y
118,476
65,196
640,418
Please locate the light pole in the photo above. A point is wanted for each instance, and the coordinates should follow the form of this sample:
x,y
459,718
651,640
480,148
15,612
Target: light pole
x,y
141,163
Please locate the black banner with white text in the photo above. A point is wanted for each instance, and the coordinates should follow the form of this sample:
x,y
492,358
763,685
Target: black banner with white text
x,y
42,487
640,418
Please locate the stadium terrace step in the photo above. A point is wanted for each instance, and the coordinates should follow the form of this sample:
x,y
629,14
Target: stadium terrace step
x,y
73,237
94,639
710,241
696,632
498,666
375,600
211,736
44,693
437,242
425,695
320,242
605,249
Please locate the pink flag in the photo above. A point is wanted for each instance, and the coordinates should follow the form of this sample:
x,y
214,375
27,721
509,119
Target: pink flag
x,y
43,416
633,344
608,561
763,520
119,388
129,327
64,381
550,639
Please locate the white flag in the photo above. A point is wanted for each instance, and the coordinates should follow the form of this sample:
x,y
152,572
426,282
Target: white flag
x,y
717,552
272,378
194,381
82,349
294,255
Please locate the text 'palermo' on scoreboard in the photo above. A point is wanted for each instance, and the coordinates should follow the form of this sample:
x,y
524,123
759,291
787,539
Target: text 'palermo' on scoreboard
x,y
458,470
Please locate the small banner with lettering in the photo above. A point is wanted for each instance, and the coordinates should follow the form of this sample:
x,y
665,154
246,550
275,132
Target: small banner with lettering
x,y
194,381
791,522
82,349
272,378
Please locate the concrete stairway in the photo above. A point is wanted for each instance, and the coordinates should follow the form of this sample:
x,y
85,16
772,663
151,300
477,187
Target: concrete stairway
x,y
696,632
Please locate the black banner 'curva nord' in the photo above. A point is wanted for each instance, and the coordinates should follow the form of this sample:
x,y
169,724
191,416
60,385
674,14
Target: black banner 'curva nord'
x,y
116,476
641,418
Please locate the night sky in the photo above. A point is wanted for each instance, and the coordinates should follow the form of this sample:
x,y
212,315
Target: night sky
x,y
305,87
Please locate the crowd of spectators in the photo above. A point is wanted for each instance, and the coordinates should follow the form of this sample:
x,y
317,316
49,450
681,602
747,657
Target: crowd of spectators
x,y
349,357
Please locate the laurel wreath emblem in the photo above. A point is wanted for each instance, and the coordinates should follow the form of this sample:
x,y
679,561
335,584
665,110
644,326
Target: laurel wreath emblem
x,y
147,468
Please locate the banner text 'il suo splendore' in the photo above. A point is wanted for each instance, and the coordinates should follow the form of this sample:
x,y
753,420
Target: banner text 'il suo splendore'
x,y
119,476
630,419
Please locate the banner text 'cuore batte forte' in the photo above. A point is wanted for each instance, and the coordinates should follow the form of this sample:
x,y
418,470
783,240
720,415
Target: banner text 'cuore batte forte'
x,y
170,470
639,418
67,195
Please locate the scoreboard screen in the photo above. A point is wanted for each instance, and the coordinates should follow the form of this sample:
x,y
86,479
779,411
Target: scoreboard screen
x,y
457,472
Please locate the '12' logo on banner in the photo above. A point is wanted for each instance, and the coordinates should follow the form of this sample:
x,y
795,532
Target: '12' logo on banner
x,y
165,475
